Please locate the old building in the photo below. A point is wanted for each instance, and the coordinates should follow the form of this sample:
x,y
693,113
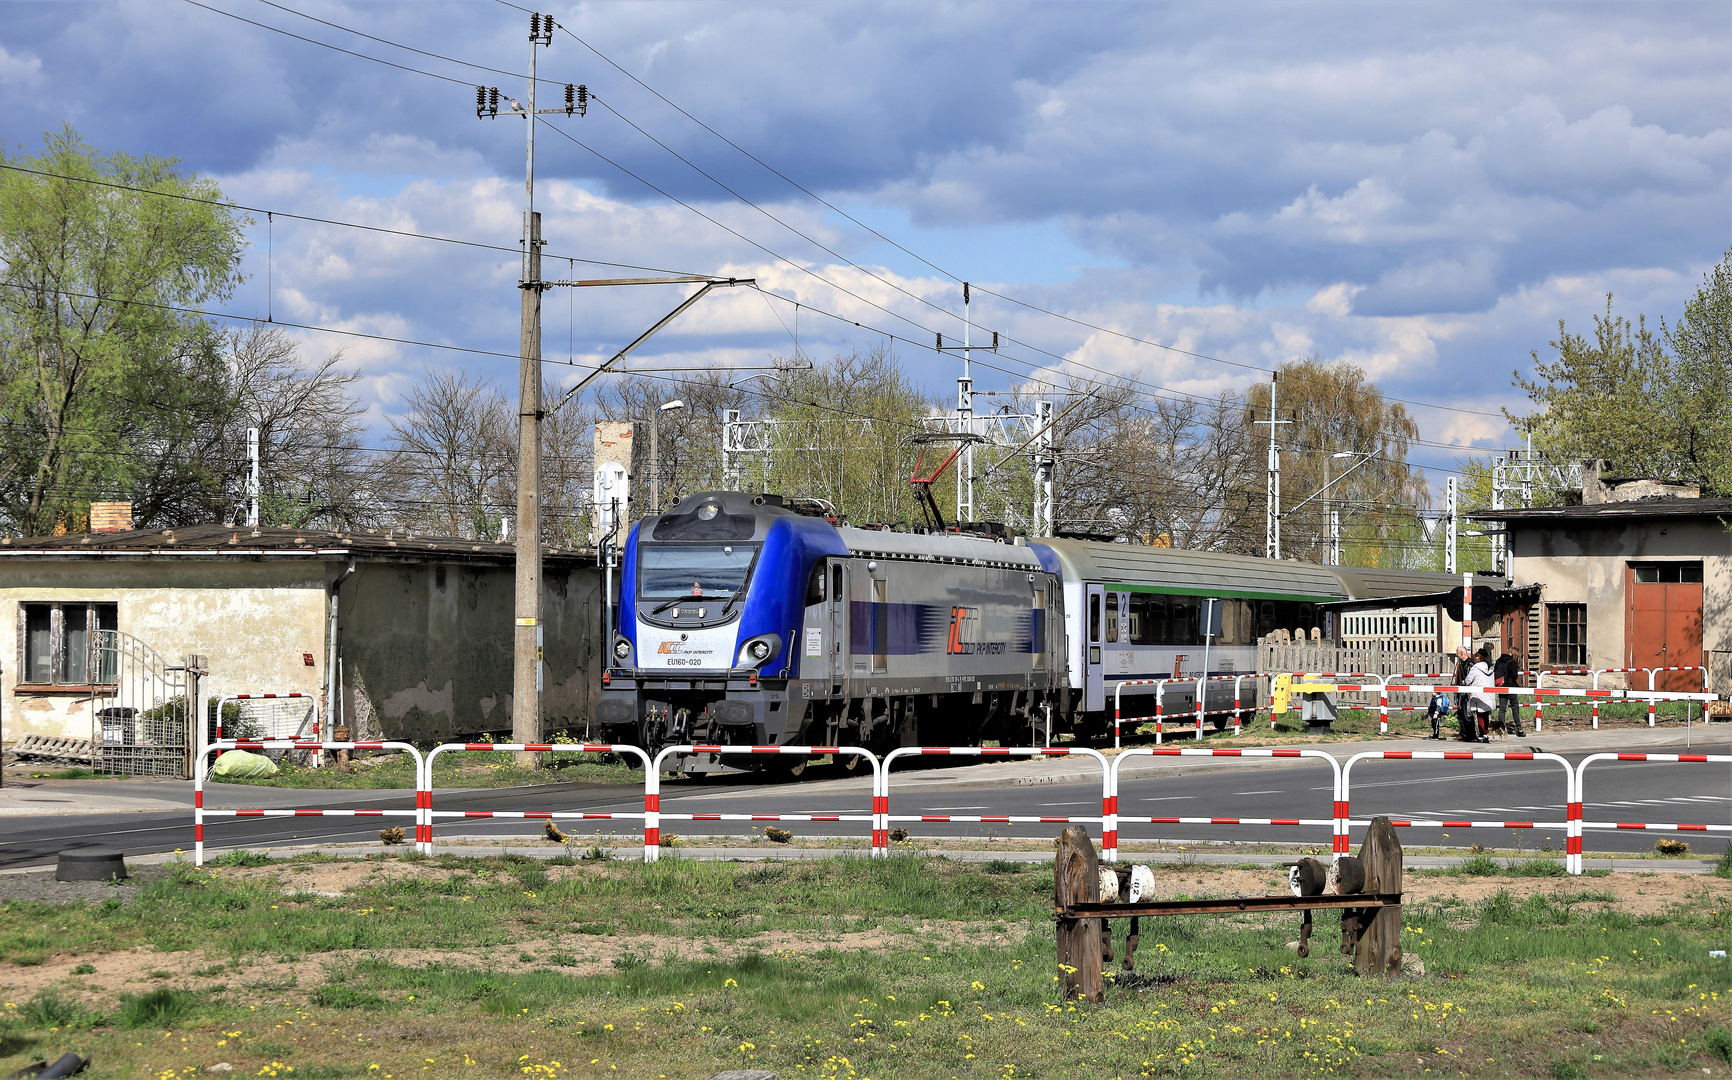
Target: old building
x,y
415,631
1637,576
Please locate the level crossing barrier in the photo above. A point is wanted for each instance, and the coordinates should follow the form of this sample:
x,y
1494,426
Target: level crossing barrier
x,y
653,815
424,834
1110,827
881,804
199,812
1272,676
1642,826
1572,802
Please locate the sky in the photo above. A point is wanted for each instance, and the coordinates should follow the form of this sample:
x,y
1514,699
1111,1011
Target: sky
x,y
1213,189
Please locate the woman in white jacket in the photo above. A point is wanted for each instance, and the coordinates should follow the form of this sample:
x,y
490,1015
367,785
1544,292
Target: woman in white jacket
x,y
1479,704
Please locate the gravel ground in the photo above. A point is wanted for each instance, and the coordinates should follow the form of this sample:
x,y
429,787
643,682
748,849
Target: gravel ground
x,y
40,887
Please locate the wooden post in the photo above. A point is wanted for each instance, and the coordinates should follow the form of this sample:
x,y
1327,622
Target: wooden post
x,y
1379,950
1076,879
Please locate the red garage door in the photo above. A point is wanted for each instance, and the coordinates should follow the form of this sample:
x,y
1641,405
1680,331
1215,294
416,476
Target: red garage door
x,y
1663,621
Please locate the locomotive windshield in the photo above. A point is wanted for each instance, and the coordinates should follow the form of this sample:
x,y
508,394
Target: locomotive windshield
x,y
667,572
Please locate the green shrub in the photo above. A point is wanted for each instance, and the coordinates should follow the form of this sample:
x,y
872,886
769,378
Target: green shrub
x,y
337,996
242,857
1534,868
157,1009
1479,866
49,1010
1719,1041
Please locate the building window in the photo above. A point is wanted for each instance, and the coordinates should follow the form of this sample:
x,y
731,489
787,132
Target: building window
x,y
1567,635
58,644
1668,574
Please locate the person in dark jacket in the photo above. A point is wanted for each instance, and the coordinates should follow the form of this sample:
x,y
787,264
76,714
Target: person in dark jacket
x,y
1507,672
1463,664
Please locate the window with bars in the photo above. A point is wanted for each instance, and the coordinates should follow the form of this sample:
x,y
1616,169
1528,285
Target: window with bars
x,y
57,643
1567,635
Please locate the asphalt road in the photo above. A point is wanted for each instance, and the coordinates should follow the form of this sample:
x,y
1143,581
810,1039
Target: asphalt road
x,y
1435,790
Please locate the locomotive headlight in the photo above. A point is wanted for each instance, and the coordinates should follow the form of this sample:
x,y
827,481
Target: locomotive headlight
x,y
622,650
756,652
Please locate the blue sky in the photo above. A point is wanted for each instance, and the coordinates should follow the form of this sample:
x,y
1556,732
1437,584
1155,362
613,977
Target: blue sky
x,y
1425,189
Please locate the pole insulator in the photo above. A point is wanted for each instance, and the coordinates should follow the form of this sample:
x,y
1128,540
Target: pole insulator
x,y
480,101
582,100
493,101
570,98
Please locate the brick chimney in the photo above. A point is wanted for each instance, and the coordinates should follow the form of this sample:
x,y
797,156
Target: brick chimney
x,y
110,517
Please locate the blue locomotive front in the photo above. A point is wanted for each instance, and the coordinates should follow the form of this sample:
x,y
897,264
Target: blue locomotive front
x,y
742,621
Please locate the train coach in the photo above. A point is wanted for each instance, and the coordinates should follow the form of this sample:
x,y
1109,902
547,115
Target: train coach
x,y
743,619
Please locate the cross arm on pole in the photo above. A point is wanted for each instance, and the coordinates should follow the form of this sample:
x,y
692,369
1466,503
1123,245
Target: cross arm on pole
x,y
1362,460
605,367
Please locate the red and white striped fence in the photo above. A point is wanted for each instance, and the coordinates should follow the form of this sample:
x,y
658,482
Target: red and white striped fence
x,y
653,815
881,801
199,812
424,835
1644,826
1572,805
1110,827
1198,691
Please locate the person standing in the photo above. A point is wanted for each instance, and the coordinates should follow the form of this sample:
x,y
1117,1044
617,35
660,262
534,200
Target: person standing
x,y
1506,672
1479,704
1463,665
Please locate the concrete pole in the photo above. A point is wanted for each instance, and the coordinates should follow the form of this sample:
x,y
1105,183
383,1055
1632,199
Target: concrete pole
x,y
526,648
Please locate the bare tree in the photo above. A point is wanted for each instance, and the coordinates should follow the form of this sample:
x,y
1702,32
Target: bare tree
x,y
452,467
311,466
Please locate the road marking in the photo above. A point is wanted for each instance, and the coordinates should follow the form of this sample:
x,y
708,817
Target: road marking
x,y
1281,791
1082,802
959,808
1169,798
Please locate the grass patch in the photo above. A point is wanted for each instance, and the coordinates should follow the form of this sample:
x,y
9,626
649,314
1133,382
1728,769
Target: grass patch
x,y
948,971
478,769
158,1009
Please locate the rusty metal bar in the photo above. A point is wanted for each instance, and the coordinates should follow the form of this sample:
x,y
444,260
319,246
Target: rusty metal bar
x,y
1227,906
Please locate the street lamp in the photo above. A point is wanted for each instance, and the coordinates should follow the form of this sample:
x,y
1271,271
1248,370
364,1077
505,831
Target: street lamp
x,y
655,455
1329,507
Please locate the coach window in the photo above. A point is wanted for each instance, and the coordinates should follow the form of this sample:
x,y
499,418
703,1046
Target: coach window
x,y
1094,616
1112,617
880,625
815,587
1039,626
1182,613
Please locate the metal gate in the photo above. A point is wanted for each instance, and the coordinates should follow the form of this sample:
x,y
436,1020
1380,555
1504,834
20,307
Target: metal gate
x,y
143,710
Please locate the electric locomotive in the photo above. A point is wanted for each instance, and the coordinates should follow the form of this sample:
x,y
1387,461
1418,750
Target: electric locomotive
x,y
744,621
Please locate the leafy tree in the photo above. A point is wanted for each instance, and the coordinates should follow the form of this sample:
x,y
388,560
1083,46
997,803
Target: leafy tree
x,y
1335,409
105,389
1597,398
1699,386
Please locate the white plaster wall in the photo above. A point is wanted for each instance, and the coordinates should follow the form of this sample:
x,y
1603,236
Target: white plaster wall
x,y
253,621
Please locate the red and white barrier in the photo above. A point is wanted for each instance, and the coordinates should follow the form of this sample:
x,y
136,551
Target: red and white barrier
x,y
1110,828
1118,702
1572,805
1540,682
1644,826
1198,691
311,701
424,835
881,804
199,812
653,816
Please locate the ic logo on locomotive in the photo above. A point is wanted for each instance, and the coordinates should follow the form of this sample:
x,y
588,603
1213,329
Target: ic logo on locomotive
x,y
965,633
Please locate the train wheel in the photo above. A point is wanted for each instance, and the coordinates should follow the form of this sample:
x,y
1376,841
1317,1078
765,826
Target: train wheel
x,y
851,763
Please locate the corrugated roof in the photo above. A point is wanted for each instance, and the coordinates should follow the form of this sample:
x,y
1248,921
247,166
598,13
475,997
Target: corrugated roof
x,y
1614,511
1208,570
273,542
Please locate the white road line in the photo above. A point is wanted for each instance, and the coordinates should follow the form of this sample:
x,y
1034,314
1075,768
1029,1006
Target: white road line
x,y
1282,791
1169,798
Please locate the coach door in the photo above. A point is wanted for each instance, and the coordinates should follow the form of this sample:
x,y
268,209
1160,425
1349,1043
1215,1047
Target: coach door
x,y
837,635
1094,689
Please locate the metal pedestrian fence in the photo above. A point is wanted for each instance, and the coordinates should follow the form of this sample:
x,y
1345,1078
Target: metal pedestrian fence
x,y
881,804
200,812
1111,827
424,834
654,815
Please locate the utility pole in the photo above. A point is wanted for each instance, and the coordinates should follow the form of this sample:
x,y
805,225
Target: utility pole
x,y
1045,470
253,477
1272,481
526,667
1449,540
965,409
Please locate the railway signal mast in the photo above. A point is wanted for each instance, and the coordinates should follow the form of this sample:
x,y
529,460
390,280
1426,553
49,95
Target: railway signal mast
x,y
965,408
